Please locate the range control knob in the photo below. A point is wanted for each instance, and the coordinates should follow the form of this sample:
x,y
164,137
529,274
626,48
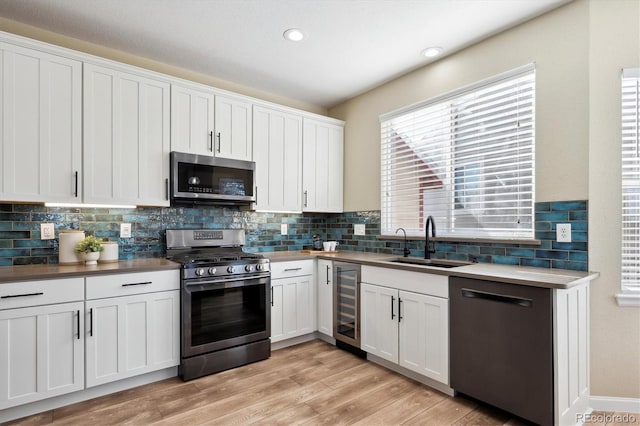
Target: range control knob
x,y
212,271
230,269
259,267
199,272
248,268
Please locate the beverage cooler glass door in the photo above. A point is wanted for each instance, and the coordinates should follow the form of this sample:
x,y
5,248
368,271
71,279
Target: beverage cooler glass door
x,y
346,307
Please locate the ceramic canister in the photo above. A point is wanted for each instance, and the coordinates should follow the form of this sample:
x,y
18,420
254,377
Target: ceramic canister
x,y
68,239
110,252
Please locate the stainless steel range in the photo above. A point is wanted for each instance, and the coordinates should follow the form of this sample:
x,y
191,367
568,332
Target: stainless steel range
x,y
226,312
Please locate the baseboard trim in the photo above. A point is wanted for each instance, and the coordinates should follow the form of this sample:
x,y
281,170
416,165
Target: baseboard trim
x,y
615,405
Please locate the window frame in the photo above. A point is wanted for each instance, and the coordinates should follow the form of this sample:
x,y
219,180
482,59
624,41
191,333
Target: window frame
x,y
456,170
630,185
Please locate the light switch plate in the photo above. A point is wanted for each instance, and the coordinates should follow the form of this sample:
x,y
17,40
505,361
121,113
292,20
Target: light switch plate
x,y
125,230
359,229
284,229
46,231
563,232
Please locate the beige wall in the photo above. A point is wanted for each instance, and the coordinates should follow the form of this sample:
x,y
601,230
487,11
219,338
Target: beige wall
x,y
615,332
127,58
578,50
557,42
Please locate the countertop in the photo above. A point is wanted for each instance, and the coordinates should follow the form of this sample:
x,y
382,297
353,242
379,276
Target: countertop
x,y
41,272
535,277
520,275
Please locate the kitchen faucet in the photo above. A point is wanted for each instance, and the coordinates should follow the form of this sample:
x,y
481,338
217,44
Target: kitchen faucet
x,y
406,252
427,247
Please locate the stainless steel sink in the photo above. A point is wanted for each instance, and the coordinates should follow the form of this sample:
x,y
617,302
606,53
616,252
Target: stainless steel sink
x,y
438,263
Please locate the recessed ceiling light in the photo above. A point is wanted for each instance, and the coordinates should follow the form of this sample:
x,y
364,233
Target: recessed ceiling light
x,y
430,52
293,34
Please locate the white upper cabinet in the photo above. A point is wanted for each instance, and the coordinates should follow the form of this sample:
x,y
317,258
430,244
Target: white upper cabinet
x,y
233,138
204,123
40,126
277,145
126,138
192,120
322,159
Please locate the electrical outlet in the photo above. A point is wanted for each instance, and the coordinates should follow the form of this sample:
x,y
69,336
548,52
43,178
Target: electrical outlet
x,y
359,229
284,229
125,230
46,231
563,232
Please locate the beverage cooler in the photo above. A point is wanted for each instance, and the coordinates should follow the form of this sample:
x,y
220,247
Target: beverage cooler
x,y
346,303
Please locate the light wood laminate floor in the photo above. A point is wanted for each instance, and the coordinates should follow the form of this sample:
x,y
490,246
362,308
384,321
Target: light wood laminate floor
x,y
313,383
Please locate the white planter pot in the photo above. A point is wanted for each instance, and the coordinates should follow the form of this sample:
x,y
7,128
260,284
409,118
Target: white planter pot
x,y
91,258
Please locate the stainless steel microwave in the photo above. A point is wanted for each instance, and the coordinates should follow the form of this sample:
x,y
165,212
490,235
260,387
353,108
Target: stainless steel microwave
x,y
204,179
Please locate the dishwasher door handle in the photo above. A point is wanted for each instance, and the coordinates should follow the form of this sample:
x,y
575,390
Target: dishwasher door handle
x,y
511,300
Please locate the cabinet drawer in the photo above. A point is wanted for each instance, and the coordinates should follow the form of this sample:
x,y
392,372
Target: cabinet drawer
x,y
293,268
417,282
114,285
42,292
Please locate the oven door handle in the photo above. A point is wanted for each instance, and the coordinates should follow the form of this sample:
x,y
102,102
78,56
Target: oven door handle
x,y
227,283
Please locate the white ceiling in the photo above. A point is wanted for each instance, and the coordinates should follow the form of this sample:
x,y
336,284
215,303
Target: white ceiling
x,y
350,47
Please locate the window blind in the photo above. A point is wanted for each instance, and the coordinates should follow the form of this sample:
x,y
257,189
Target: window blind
x,y
631,180
466,158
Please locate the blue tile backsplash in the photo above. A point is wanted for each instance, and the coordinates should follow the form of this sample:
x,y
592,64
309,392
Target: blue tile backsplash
x,y
20,242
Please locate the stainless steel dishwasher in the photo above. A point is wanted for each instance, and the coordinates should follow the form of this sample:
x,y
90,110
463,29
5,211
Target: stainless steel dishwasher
x,y
501,346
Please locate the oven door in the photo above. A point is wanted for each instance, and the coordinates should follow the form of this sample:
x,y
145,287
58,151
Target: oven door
x,y
221,314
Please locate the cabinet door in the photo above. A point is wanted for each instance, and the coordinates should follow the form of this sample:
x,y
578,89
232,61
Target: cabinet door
x,y
132,335
277,147
41,352
192,120
277,326
424,335
379,321
126,138
40,126
322,166
325,297
293,308
233,138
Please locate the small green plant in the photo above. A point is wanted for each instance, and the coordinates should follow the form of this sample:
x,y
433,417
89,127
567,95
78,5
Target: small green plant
x,y
89,244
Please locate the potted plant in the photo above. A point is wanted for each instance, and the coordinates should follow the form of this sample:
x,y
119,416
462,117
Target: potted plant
x,y
90,246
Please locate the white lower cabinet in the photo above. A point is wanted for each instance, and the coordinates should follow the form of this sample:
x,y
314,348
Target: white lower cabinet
x,y
293,301
136,331
41,344
324,286
405,327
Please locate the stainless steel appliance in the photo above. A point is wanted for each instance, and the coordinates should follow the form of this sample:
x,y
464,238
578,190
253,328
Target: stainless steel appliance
x,y
346,303
225,306
204,179
501,346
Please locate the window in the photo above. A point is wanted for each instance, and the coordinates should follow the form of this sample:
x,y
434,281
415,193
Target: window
x,y
465,158
631,181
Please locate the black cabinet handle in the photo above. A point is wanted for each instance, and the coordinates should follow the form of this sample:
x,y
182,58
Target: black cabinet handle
x,y
166,189
142,283
393,299
11,296
399,309
271,296
219,142
75,192
292,269
78,323
91,322
211,145
306,193
327,274
511,300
